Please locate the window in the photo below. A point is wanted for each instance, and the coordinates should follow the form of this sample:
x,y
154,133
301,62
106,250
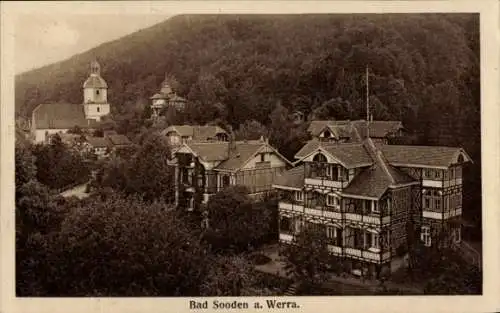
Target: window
x,y
427,173
98,109
285,225
452,173
457,235
225,181
375,207
438,174
331,232
331,200
375,238
437,203
425,235
327,134
299,196
335,172
262,157
97,92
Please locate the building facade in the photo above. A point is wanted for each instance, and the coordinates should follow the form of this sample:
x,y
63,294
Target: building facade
x,y
57,118
180,134
204,168
354,131
370,197
165,98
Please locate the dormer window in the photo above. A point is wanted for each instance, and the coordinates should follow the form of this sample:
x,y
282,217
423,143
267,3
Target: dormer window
x,y
327,134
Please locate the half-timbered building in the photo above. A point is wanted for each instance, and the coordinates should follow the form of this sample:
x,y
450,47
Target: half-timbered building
x,y
204,168
367,196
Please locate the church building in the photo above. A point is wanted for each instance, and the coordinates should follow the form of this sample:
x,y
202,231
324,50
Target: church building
x,y
51,118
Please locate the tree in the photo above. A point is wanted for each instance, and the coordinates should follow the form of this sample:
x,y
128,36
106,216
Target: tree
x,y
99,252
148,172
307,257
231,276
251,130
234,221
58,166
25,168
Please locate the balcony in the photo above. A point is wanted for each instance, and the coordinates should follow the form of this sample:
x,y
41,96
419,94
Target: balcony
x,y
355,217
369,219
372,255
291,207
442,215
325,182
287,238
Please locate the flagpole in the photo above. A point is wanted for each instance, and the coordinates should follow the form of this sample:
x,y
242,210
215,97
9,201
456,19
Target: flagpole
x,y
367,105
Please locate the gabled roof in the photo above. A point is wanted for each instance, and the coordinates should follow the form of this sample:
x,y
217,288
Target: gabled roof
x,y
351,155
374,181
198,133
97,142
293,178
210,151
231,160
355,130
423,156
119,140
60,116
243,152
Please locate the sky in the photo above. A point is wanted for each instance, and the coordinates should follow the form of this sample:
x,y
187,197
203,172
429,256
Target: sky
x,y
44,39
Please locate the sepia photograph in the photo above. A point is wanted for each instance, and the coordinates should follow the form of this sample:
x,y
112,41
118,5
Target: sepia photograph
x,y
277,156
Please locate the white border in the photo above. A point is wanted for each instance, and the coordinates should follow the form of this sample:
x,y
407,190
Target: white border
x,y
489,10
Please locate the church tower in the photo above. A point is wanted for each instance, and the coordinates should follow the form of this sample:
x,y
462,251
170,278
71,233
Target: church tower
x,y
95,94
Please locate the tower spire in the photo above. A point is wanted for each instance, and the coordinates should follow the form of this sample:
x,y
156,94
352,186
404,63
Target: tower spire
x,y
95,68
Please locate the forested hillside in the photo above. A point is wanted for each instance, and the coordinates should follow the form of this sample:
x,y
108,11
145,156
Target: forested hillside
x,y
424,70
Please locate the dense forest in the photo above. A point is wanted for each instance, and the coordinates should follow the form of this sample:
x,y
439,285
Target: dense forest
x,y
424,70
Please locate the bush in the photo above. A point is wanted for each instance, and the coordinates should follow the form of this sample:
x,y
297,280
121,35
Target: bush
x,y
260,259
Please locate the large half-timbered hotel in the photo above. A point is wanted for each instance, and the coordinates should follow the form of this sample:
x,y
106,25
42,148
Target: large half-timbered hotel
x,y
364,193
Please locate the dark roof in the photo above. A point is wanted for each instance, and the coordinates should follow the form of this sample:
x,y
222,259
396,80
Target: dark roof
x,y
350,154
119,140
355,130
97,142
210,151
95,81
198,133
242,153
422,155
60,116
374,181
316,126
309,147
230,160
293,178
158,96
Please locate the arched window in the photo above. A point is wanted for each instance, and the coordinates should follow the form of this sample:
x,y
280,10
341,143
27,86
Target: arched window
x,y
320,158
327,134
460,158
